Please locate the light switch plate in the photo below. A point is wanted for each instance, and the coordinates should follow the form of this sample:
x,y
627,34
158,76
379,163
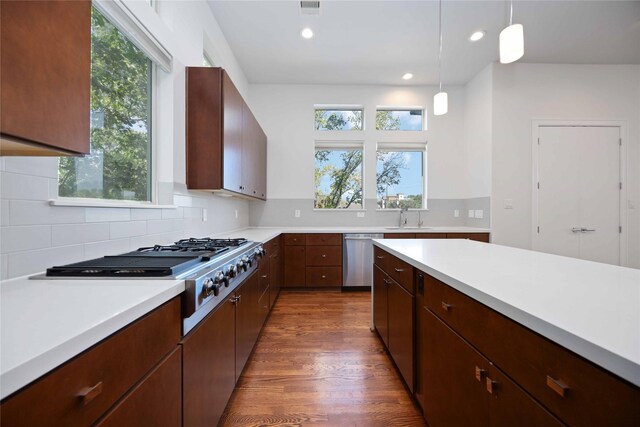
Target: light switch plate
x,y
360,214
471,213
508,203
456,213
297,213
479,213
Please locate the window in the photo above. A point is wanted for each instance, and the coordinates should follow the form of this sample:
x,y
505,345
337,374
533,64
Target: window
x,y
338,119
390,119
400,179
338,177
119,166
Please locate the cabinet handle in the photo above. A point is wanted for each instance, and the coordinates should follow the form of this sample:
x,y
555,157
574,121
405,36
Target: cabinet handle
x,y
492,385
399,270
480,373
264,276
324,277
557,386
87,394
379,256
446,306
388,282
324,256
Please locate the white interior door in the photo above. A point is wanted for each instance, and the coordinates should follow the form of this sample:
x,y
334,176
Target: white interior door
x,y
579,192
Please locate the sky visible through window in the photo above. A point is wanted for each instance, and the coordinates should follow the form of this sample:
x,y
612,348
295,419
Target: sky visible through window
x,y
399,173
399,120
338,119
338,179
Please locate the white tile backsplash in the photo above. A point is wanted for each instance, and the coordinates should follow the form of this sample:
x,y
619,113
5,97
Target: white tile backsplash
x,y
23,187
27,212
4,266
25,238
4,213
71,234
108,247
145,214
172,213
31,262
108,214
37,166
128,229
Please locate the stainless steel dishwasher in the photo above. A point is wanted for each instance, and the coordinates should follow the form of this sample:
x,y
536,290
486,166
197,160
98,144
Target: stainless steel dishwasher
x,y
357,264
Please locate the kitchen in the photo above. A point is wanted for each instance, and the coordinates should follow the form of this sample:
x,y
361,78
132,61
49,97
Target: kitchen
x,y
479,159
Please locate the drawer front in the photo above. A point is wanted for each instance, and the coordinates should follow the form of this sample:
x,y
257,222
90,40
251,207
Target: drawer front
x,y
431,235
380,258
156,401
399,235
294,263
102,374
397,269
319,239
324,276
543,368
478,237
324,255
295,239
272,245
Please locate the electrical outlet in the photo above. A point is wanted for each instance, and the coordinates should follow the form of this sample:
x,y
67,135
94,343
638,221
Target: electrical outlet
x,y
456,213
297,213
508,203
236,213
360,214
479,213
204,215
472,213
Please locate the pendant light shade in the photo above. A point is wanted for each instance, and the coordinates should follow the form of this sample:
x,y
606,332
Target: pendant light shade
x,y
440,103
440,99
511,43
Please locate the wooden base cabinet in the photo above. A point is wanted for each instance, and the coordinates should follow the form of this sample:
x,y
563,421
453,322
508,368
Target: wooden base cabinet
x,y
381,284
313,260
462,388
401,330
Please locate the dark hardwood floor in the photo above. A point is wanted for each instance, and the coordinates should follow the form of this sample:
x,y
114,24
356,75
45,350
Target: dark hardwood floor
x,y
318,364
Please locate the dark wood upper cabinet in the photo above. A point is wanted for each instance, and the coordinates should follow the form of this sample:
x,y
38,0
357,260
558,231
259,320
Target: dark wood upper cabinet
x,y
46,77
226,147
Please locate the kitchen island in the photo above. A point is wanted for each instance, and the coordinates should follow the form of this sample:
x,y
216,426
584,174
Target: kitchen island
x,y
499,299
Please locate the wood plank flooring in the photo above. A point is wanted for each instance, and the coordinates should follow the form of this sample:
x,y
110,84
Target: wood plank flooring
x,y
318,364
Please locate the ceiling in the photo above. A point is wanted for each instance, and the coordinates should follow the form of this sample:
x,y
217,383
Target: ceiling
x,y
376,42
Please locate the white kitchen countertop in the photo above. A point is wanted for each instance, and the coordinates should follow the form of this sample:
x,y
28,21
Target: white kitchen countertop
x,y
590,308
44,323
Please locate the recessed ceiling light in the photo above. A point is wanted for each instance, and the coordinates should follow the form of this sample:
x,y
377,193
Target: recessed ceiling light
x,y
476,36
407,76
306,33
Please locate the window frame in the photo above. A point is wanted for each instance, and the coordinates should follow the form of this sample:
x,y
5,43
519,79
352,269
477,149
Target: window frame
x,y
423,126
405,147
341,145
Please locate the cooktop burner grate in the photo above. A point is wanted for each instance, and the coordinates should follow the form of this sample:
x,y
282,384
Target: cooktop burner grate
x,y
127,266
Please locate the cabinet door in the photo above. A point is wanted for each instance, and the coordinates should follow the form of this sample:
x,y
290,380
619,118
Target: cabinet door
x,y
208,359
155,401
401,330
509,405
276,275
261,163
294,266
380,304
249,152
232,148
454,393
45,79
247,320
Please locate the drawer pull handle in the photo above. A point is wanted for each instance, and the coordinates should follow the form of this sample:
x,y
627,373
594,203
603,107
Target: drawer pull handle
x,y
446,306
492,385
379,256
264,276
557,386
399,270
480,373
87,394
388,282
324,256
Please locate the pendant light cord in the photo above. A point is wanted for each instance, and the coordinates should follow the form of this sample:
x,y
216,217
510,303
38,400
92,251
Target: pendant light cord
x,y
511,13
440,41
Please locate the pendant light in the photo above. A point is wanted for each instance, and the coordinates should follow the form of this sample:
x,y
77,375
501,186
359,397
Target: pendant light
x,y
441,99
511,40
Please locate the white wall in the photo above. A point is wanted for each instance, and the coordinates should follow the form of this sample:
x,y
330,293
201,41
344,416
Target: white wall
x,y
478,132
526,92
35,235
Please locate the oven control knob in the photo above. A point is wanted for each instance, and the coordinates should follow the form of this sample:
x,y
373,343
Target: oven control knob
x,y
241,266
220,279
231,271
209,287
260,252
247,262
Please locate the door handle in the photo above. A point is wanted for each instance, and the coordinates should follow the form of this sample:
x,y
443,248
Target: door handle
x,y
585,230
576,230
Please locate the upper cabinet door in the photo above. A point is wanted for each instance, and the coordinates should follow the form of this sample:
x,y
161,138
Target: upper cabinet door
x,y
232,151
46,77
249,155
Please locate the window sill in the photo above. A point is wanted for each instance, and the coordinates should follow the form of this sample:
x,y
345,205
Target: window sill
x,y
398,210
94,203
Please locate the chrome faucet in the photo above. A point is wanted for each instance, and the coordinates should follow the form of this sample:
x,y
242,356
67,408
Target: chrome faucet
x,y
420,218
403,218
